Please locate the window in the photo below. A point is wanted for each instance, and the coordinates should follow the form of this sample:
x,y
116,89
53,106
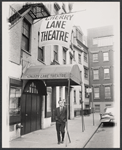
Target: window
x,y
74,97
64,7
14,107
79,36
72,40
95,57
56,6
105,57
85,57
103,41
106,74
56,52
107,92
41,53
79,58
48,104
48,101
25,35
64,55
96,74
74,55
80,97
40,50
86,94
31,89
96,92
97,108
108,105
86,73
70,59
86,106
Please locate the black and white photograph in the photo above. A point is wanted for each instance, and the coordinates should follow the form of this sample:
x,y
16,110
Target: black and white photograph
x,y
60,74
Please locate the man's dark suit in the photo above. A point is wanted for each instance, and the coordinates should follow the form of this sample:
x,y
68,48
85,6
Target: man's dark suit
x,y
61,118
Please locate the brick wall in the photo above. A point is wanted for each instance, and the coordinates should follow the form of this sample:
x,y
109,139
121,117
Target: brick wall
x,y
99,32
15,43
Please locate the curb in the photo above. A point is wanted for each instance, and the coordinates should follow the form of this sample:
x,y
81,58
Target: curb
x,y
91,135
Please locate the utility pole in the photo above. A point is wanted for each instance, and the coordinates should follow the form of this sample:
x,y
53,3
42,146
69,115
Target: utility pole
x,y
92,105
68,99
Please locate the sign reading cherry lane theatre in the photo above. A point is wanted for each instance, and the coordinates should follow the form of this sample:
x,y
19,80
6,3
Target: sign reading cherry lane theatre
x,y
56,30
47,76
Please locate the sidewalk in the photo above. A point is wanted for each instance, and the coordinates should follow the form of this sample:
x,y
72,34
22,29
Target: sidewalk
x,y
47,138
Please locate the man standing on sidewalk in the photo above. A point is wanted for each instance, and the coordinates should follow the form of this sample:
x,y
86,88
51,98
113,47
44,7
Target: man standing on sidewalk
x,y
61,118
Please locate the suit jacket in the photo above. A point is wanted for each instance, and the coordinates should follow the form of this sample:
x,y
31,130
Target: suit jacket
x,y
61,117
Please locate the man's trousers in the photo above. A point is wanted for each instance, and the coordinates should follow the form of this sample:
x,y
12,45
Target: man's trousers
x,y
60,127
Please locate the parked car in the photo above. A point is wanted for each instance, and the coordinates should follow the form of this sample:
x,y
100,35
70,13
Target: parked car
x,y
108,115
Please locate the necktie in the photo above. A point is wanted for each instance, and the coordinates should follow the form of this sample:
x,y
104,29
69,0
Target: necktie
x,y
61,109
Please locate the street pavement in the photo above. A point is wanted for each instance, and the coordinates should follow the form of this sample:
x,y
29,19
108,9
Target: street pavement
x,y
104,137
47,138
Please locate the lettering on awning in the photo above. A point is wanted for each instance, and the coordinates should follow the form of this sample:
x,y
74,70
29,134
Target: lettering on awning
x,y
47,76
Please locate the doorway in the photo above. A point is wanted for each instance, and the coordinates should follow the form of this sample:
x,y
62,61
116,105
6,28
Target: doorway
x,y
31,106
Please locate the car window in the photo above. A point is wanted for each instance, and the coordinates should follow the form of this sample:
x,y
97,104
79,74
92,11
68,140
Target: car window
x,y
108,110
105,109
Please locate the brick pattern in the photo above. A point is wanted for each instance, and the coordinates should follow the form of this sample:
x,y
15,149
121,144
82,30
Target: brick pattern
x,y
100,32
15,43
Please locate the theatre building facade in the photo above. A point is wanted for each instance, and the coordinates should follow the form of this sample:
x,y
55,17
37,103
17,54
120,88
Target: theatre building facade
x,y
33,80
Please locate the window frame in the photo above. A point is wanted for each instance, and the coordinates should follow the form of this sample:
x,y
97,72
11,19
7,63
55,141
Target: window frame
x,y
95,60
106,73
94,74
107,97
86,73
79,35
25,36
105,57
108,105
103,41
75,97
55,53
97,92
64,55
85,57
15,98
97,107
74,55
79,58
31,88
70,59
80,97
72,40
48,104
43,55
86,94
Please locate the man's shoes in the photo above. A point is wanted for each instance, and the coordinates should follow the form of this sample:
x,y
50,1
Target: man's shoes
x,y
58,142
62,142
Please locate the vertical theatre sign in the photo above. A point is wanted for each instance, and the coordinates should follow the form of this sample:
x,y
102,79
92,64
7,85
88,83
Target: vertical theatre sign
x,y
56,30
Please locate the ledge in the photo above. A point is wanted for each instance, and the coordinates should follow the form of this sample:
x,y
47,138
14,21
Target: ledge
x,y
26,52
41,61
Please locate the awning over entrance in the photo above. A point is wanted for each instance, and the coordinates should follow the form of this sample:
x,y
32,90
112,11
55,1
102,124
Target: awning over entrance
x,y
54,75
